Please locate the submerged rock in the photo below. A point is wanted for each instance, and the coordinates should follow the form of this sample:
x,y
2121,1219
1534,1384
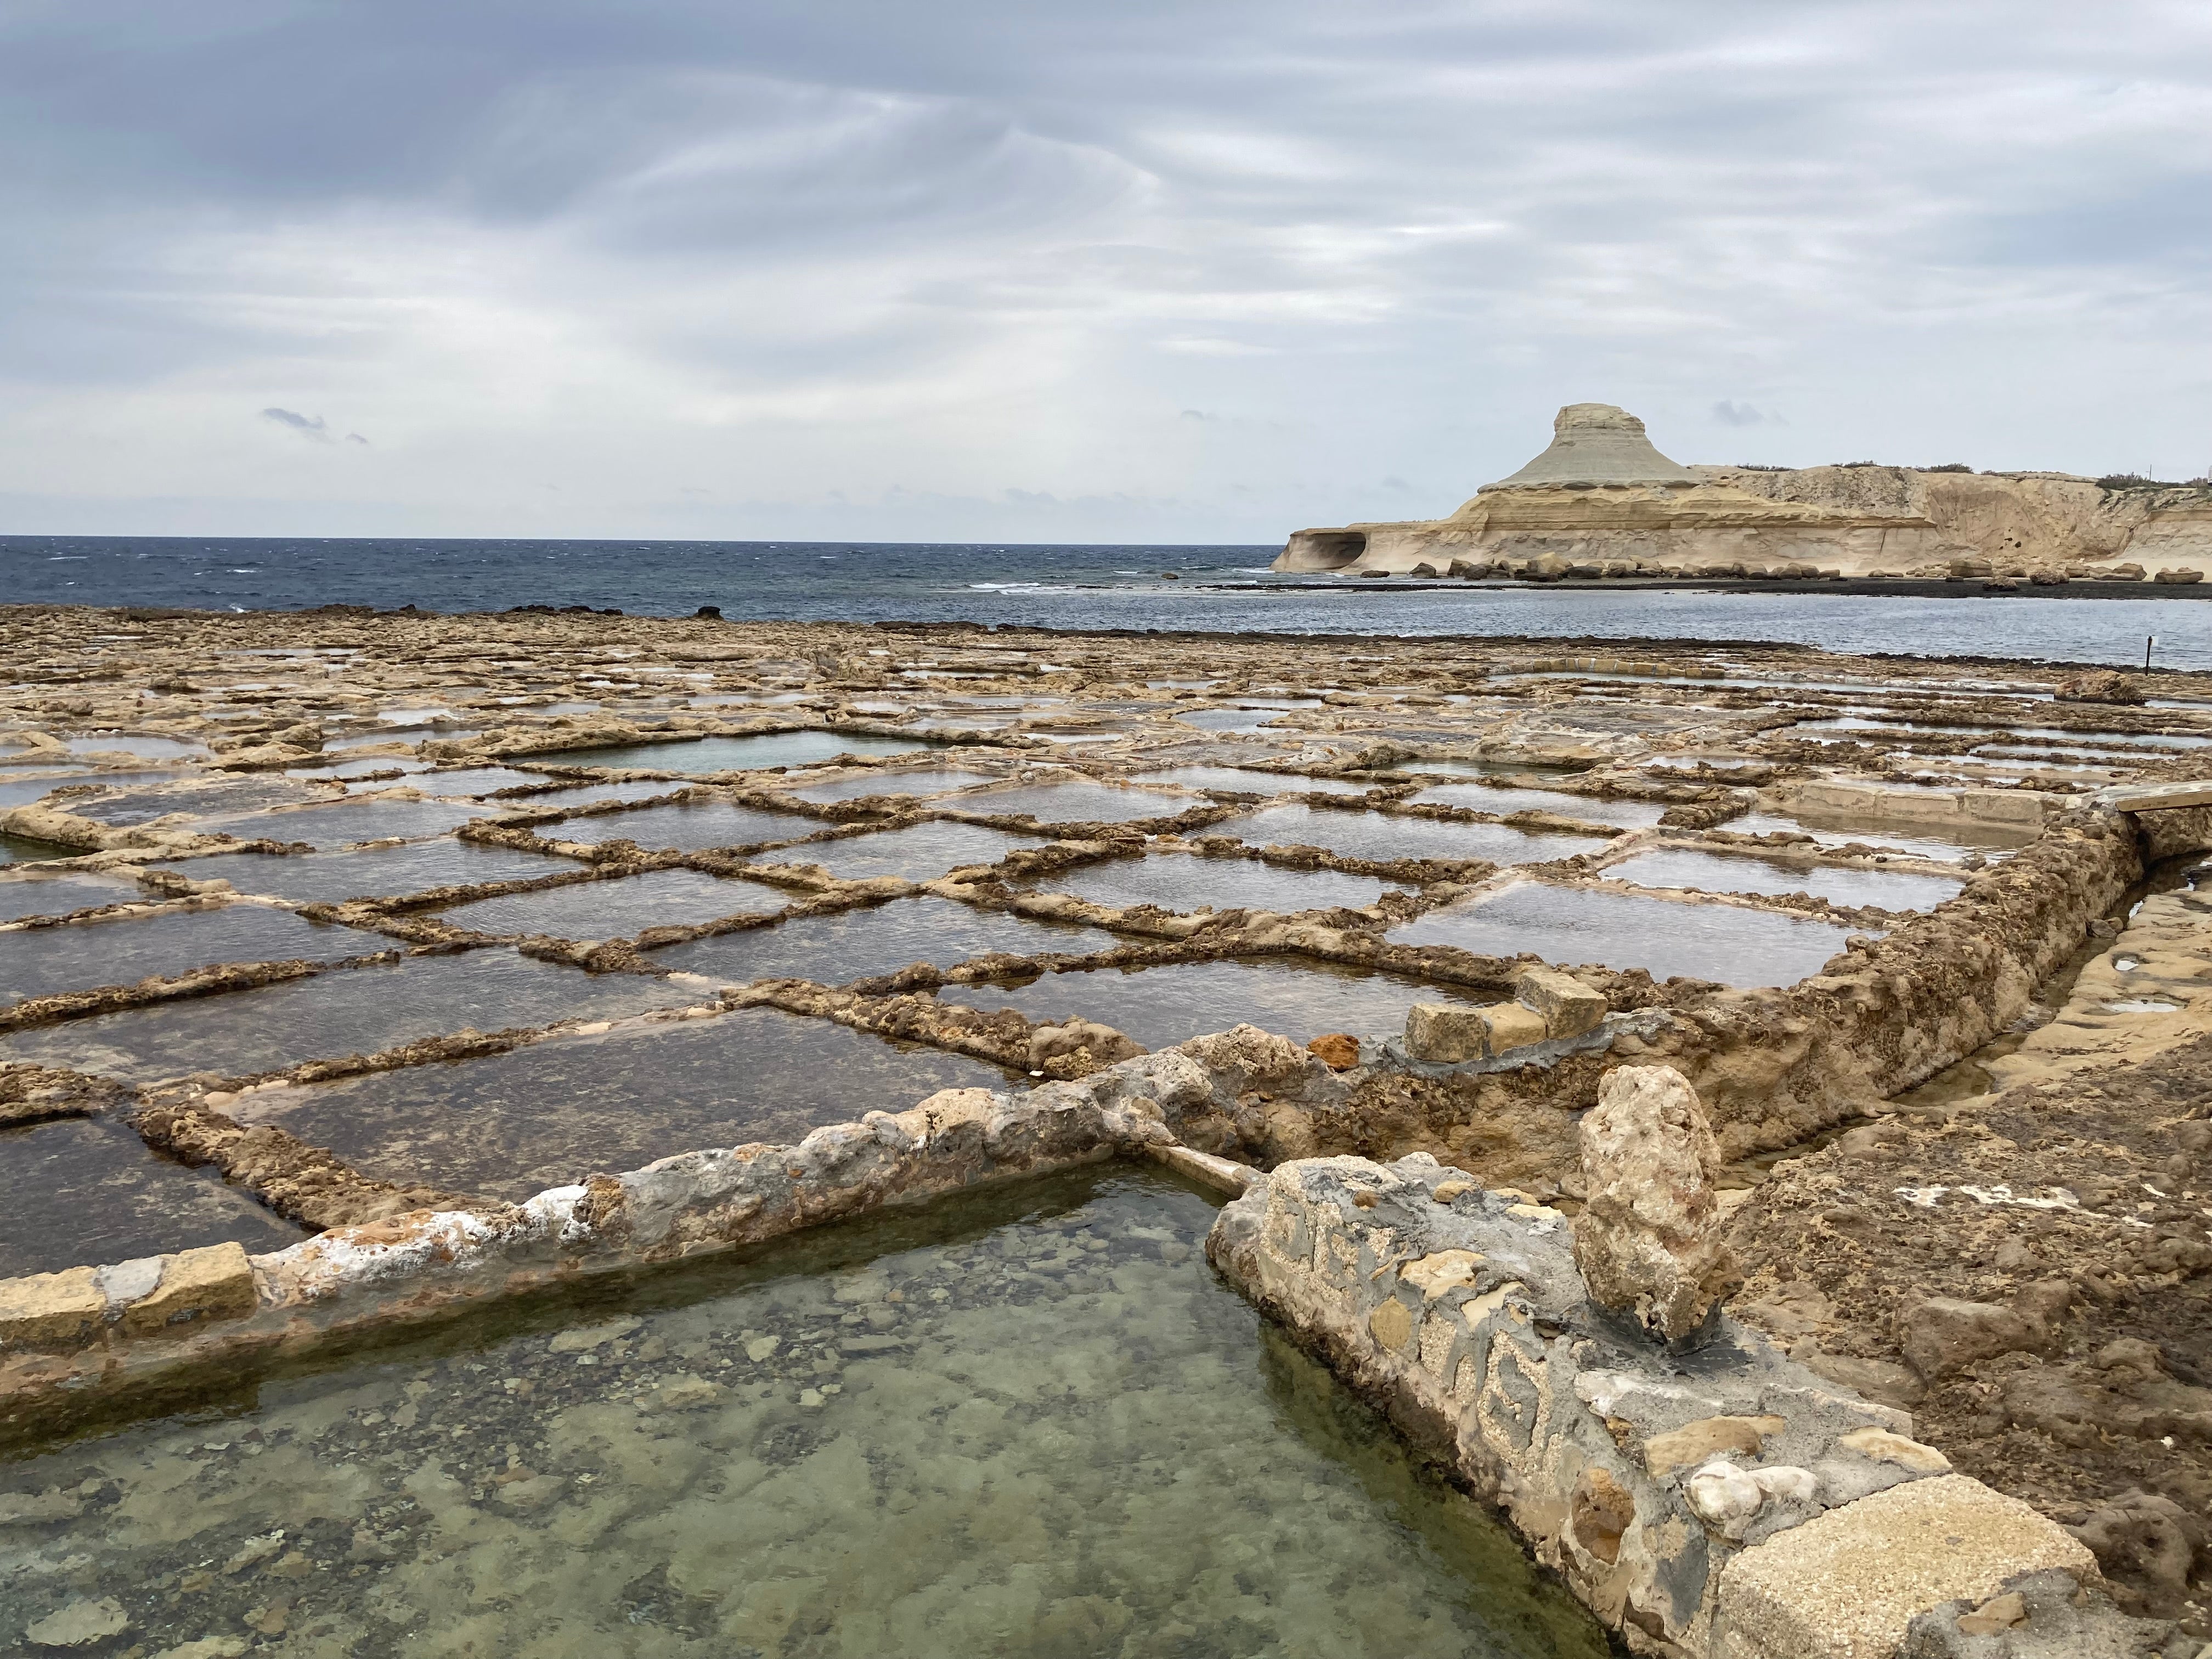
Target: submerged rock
x,y
1648,1239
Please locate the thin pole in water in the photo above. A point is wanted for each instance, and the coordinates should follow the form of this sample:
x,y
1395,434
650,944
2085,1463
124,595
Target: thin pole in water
x,y
2149,640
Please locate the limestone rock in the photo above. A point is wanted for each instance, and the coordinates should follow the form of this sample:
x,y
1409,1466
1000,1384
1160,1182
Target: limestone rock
x,y
80,1624
1648,1239
2098,686
1450,1033
1569,1007
1848,1584
1944,1334
45,1310
196,1286
1338,1050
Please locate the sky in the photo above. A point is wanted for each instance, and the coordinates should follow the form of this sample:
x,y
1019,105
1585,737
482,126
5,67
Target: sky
x,y
1027,270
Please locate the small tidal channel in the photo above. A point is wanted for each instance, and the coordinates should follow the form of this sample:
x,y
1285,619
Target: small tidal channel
x,y
1029,1422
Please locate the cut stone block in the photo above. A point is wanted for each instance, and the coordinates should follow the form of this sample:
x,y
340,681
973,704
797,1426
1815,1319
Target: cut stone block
x,y
1846,1584
1569,1007
1447,1034
45,1311
197,1287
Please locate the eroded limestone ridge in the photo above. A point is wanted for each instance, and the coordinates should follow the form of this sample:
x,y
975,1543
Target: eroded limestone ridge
x,y
1601,495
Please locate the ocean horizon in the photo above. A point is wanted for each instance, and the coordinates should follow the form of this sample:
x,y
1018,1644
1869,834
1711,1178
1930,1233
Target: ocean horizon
x,y
1161,587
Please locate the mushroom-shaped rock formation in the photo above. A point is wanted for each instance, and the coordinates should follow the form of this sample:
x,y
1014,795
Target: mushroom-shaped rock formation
x,y
1600,495
1595,445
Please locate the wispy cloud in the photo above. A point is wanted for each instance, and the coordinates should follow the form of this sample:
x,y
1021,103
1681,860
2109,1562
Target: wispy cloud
x,y
308,426
1734,414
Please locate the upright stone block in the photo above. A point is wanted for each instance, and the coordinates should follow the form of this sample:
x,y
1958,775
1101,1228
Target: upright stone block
x,y
51,1310
1569,1007
198,1287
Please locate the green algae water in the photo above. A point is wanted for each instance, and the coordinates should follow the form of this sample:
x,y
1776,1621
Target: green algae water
x,y
1029,1422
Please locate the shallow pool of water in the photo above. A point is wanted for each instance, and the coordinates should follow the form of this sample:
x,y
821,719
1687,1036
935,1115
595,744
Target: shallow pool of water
x,y
86,1192
379,872
346,821
21,792
1182,882
879,939
1488,798
1572,926
620,907
933,781
1026,1425
585,794
354,1011
1386,835
146,748
692,827
1251,782
472,782
1161,1006
1952,843
22,849
80,955
729,753
920,851
552,1112
1718,874
119,808
1504,770
1080,803
57,896
1228,719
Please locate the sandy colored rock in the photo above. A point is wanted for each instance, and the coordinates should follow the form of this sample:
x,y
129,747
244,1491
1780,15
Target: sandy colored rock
x,y
1883,1447
1648,1239
1707,1438
1846,1584
2098,686
1568,1006
79,1624
1339,1050
1446,1033
197,1287
45,1310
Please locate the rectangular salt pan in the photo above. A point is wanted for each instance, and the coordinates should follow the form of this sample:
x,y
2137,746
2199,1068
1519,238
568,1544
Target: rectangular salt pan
x,y
920,851
57,896
1383,835
1488,798
935,782
83,1192
1079,803
549,1114
735,754
80,956
378,873
372,818
691,827
1182,883
350,1010
619,907
883,938
1572,926
1161,1006
1711,872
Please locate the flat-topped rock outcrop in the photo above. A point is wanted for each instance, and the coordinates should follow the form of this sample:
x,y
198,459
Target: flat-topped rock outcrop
x,y
1601,496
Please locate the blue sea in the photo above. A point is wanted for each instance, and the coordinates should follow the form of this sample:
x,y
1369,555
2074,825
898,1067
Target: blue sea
x,y
1071,587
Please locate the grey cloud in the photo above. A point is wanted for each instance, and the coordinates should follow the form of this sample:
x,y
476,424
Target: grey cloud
x,y
355,438
857,243
306,426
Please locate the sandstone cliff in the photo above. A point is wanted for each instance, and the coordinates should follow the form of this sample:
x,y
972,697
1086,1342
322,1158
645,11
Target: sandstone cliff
x,y
1602,498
